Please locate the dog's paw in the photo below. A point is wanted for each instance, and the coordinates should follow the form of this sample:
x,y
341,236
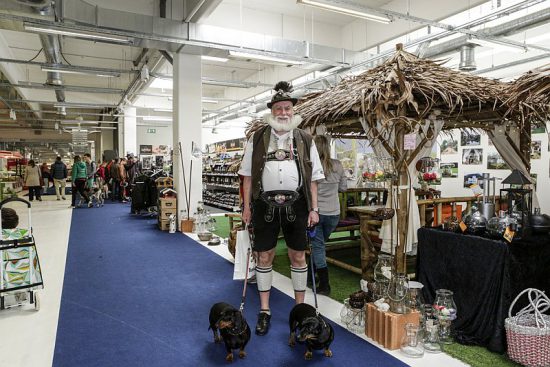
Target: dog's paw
x,y
328,353
291,342
308,355
229,357
242,354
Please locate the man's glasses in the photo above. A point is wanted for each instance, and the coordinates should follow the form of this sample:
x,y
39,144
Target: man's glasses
x,y
281,108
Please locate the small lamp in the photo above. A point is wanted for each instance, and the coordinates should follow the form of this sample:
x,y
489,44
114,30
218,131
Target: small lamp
x,y
518,197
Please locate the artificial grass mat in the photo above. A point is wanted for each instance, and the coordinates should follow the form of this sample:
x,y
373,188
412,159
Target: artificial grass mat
x,y
344,282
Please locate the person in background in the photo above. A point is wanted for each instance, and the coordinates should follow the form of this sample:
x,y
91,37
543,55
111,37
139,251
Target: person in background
x,y
58,170
32,180
115,176
79,177
123,179
46,176
91,169
329,209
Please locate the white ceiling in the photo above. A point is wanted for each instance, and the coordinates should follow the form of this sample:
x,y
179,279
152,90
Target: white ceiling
x,y
265,18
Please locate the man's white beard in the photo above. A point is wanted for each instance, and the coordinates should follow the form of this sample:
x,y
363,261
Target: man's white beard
x,y
287,125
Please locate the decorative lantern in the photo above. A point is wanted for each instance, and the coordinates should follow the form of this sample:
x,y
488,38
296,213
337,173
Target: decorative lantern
x,y
518,198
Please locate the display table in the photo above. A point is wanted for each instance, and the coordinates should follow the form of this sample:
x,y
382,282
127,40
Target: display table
x,y
367,224
485,276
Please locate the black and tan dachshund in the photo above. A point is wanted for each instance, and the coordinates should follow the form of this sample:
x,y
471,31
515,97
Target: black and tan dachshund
x,y
234,329
311,328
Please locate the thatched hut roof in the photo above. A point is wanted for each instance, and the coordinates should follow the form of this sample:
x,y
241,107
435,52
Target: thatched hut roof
x,y
416,87
529,95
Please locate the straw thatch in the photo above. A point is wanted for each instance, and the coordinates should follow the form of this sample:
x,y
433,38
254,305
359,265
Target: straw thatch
x,y
409,88
530,95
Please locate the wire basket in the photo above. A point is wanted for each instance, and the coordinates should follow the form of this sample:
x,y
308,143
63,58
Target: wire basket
x,y
528,333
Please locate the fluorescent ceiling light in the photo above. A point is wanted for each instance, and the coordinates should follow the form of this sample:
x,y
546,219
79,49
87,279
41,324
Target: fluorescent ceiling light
x,y
156,118
346,11
162,110
214,58
497,44
68,70
74,33
225,83
206,100
246,55
161,84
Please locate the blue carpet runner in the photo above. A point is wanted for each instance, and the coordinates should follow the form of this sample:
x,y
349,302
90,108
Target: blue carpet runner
x,y
135,296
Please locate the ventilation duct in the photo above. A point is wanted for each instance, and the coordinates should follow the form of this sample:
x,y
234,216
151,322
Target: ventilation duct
x,y
467,58
51,46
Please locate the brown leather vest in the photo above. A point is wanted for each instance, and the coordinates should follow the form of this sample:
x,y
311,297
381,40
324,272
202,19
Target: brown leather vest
x,y
260,144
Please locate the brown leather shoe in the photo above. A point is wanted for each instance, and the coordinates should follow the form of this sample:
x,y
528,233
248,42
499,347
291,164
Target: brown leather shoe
x,y
262,326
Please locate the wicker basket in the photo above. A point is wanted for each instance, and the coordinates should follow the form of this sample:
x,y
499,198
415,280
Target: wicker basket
x,y
528,333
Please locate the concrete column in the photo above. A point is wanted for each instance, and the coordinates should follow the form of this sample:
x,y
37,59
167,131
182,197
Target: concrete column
x,y
187,122
130,132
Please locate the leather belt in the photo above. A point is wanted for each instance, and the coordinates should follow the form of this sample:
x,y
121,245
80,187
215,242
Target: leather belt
x,y
280,198
279,155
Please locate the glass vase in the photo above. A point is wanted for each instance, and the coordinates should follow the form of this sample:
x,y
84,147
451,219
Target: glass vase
x,y
398,293
382,275
411,344
445,309
431,336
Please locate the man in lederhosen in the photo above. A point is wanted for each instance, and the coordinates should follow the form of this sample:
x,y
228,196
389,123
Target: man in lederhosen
x,y
280,168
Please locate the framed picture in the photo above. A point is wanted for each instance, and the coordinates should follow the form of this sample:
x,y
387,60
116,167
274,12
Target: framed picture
x,y
469,138
473,179
449,146
537,128
159,161
495,161
147,162
472,156
535,149
449,170
145,149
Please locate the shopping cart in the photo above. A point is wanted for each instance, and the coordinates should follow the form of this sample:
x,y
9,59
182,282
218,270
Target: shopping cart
x,y
20,271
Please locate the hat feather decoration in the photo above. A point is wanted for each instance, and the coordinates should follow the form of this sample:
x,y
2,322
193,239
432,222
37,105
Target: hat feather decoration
x,y
283,86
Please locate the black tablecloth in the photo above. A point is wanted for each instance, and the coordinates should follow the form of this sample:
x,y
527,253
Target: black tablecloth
x,y
485,276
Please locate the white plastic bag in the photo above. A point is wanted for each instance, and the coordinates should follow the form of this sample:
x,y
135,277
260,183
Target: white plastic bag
x,y
241,253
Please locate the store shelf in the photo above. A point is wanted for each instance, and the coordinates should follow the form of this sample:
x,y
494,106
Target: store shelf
x,y
220,174
227,188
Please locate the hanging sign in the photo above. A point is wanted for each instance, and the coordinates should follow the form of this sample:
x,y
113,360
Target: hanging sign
x,y
410,142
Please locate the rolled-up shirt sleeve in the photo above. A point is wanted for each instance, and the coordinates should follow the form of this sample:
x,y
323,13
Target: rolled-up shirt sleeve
x,y
317,168
246,163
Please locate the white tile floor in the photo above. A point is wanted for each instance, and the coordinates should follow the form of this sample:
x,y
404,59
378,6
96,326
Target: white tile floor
x,y
27,337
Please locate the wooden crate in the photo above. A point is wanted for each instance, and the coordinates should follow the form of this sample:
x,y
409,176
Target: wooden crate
x,y
387,328
163,182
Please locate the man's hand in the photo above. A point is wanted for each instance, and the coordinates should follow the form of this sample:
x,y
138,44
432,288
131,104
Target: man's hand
x,y
312,219
247,215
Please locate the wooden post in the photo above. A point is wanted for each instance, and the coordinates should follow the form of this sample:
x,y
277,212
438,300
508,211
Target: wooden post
x,y
402,217
368,252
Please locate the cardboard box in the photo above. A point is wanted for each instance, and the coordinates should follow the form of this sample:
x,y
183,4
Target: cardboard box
x,y
168,203
165,213
388,328
164,225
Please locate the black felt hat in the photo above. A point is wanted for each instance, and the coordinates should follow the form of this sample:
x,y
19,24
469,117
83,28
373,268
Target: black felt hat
x,y
282,93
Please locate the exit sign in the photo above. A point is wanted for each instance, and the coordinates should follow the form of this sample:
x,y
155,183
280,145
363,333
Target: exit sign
x,y
151,131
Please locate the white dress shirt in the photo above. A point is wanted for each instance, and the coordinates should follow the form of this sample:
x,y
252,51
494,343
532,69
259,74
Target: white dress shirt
x,y
281,175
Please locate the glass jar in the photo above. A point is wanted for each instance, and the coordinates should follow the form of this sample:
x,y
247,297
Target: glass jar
x,y
445,309
353,318
398,293
416,300
382,275
431,336
411,344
